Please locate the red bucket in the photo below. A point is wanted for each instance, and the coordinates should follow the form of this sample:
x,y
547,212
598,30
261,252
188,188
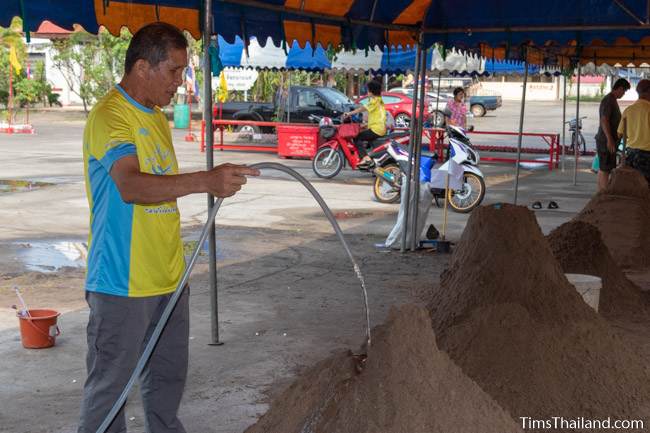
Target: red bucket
x,y
39,330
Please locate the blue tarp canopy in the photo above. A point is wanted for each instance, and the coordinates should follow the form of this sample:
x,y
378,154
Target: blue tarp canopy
x,y
363,23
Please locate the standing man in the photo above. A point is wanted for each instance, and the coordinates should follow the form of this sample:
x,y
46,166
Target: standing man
x,y
136,257
636,124
607,137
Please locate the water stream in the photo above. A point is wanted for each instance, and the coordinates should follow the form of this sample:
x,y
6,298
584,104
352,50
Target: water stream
x,y
153,340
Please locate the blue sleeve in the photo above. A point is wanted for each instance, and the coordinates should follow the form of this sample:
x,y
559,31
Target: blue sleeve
x,y
116,153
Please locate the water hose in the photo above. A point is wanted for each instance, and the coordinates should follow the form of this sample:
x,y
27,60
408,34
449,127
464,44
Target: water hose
x,y
164,317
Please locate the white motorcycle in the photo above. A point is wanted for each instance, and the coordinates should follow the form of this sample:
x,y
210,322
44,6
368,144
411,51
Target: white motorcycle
x,y
466,192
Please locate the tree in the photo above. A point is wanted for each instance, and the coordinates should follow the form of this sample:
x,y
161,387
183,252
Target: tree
x,y
9,37
91,64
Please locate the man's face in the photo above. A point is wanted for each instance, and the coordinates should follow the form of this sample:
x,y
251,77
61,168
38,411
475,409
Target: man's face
x,y
163,79
619,92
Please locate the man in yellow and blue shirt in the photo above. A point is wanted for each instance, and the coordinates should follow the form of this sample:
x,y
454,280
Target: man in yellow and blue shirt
x,y
135,258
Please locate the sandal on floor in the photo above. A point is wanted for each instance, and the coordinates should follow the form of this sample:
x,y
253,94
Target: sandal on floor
x,y
537,205
553,205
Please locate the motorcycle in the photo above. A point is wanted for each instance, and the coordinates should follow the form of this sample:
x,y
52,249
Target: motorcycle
x,y
388,182
338,147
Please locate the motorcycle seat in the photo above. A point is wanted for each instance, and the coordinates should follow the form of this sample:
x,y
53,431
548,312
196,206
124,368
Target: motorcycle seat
x,y
383,139
428,154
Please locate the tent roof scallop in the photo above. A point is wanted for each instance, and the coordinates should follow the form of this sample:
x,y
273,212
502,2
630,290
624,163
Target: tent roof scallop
x,y
369,23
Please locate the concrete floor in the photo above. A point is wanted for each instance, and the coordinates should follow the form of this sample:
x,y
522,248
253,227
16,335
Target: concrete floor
x,y
281,272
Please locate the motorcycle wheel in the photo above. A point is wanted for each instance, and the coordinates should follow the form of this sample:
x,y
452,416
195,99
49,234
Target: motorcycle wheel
x,y
470,196
385,192
327,163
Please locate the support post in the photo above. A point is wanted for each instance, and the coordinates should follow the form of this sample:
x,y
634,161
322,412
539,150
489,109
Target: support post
x,y
435,113
10,102
563,123
406,188
576,151
521,128
418,151
209,156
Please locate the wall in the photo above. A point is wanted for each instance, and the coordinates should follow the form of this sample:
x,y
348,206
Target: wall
x,y
536,91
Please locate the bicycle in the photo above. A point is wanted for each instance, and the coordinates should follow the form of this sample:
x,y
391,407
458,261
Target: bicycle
x,y
575,127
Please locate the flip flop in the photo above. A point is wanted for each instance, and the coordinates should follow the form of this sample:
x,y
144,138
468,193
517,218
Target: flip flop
x,y
537,205
553,205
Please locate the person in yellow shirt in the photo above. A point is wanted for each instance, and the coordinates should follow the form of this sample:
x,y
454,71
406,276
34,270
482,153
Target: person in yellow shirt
x,y
376,123
635,124
135,257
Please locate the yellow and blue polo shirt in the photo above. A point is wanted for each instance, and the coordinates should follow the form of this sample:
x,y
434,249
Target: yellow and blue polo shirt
x,y
134,250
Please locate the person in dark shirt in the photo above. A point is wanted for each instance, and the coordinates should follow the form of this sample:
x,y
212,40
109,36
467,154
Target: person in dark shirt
x,y
609,115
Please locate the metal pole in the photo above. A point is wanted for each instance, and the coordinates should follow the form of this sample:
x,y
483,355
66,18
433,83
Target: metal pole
x,y
521,128
406,187
418,152
576,152
209,156
563,122
435,113
288,100
10,103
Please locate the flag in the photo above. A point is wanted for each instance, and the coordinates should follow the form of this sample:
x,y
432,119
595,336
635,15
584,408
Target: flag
x,y
191,82
13,59
222,94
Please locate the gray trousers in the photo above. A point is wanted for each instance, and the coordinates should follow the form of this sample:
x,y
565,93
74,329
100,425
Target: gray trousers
x,y
118,329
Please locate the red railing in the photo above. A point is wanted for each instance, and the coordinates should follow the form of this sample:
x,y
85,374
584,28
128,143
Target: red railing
x,y
434,135
552,140
220,125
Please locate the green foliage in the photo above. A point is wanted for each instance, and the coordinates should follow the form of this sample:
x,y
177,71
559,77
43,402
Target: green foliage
x,y
91,64
29,92
10,36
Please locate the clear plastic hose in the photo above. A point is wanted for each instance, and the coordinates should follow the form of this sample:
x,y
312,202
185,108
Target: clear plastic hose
x,y
164,317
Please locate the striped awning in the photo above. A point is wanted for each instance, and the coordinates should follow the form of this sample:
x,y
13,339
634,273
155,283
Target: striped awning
x,y
318,59
610,29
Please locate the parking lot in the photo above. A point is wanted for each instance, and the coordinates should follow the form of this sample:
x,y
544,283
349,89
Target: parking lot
x,y
285,285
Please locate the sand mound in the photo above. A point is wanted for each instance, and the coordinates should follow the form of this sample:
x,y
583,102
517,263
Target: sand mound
x,y
621,214
507,315
628,182
503,257
406,386
580,249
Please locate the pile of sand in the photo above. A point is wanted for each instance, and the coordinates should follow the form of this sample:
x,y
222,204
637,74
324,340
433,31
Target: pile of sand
x,y
406,385
621,213
580,249
506,314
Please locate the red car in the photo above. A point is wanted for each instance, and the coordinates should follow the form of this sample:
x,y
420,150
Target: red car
x,y
397,104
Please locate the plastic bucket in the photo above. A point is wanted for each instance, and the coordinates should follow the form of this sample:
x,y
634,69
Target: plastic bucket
x,y
39,330
181,116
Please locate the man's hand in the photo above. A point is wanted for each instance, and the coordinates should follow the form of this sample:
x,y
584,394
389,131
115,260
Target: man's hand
x,y
226,179
611,145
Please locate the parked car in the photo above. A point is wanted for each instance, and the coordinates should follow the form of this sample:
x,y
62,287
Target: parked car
x,y
399,105
300,103
430,100
478,105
